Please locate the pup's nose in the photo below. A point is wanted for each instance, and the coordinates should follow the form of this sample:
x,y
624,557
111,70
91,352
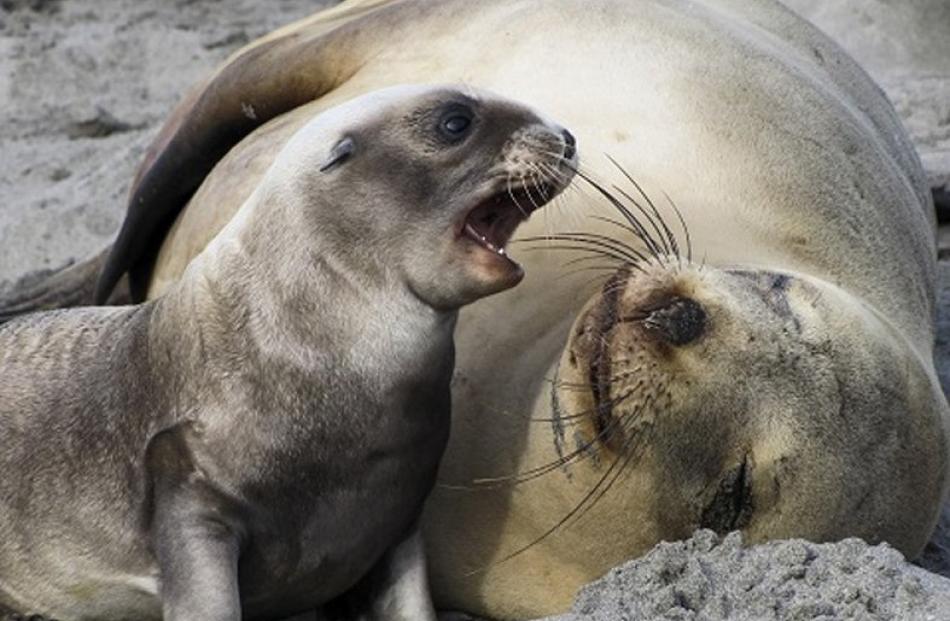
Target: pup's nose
x,y
570,145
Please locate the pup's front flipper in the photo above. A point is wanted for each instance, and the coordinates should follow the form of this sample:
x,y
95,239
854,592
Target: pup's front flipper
x,y
195,532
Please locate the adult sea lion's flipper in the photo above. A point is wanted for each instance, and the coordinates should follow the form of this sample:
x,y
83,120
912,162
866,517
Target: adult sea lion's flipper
x,y
294,65
68,286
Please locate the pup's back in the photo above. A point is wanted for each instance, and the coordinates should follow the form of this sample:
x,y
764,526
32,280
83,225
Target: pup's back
x,y
71,506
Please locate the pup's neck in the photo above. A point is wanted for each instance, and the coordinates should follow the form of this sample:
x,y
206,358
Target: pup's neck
x,y
259,290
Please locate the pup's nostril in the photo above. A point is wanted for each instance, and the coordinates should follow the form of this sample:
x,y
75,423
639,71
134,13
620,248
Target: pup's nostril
x,y
680,321
570,144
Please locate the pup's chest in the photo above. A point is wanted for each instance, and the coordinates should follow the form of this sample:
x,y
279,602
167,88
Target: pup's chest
x,y
347,458
327,522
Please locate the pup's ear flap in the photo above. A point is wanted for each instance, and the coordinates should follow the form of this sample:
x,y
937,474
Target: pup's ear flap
x,y
339,154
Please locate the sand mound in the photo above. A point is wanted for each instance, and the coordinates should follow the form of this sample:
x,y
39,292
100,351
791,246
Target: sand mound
x,y
712,578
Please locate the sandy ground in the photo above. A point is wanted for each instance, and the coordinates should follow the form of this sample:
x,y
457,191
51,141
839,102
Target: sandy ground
x,y
84,84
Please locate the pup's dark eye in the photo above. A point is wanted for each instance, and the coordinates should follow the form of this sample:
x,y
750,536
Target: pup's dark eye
x,y
455,124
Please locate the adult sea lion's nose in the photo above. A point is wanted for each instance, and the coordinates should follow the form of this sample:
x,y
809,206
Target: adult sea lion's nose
x,y
679,321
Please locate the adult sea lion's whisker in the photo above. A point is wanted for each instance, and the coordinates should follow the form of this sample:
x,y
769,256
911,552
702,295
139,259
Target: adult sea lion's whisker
x,y
580,453
589,500
593,240
560,382
625,227
613,267
679,215
668,243
635,226
635,254
568,517
662,244
656,221
655,248
582,387
576,247
593,268
628,455
669,233
626,394
585,259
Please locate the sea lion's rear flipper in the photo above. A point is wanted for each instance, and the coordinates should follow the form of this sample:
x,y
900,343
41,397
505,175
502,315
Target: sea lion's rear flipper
x,y
66,287
284,70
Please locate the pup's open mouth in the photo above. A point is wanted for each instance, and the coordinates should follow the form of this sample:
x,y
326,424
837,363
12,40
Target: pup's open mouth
x,y
491,223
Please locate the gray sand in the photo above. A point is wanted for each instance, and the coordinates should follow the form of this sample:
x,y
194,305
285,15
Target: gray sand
x,y
713,578
84,84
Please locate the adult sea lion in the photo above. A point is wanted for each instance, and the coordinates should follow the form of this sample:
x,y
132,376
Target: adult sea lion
x,y
260,440
780,382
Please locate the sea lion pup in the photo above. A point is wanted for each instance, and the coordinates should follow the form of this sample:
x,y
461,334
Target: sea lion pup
x,y
261,440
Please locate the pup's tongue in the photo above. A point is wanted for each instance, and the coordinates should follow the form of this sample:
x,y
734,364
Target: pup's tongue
x,y
492,223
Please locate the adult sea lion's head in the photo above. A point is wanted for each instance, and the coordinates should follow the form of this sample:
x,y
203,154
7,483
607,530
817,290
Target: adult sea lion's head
x,y
769,401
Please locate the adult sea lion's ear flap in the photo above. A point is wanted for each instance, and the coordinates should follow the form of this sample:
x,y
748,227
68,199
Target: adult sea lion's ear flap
x,y
265,79
340,153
